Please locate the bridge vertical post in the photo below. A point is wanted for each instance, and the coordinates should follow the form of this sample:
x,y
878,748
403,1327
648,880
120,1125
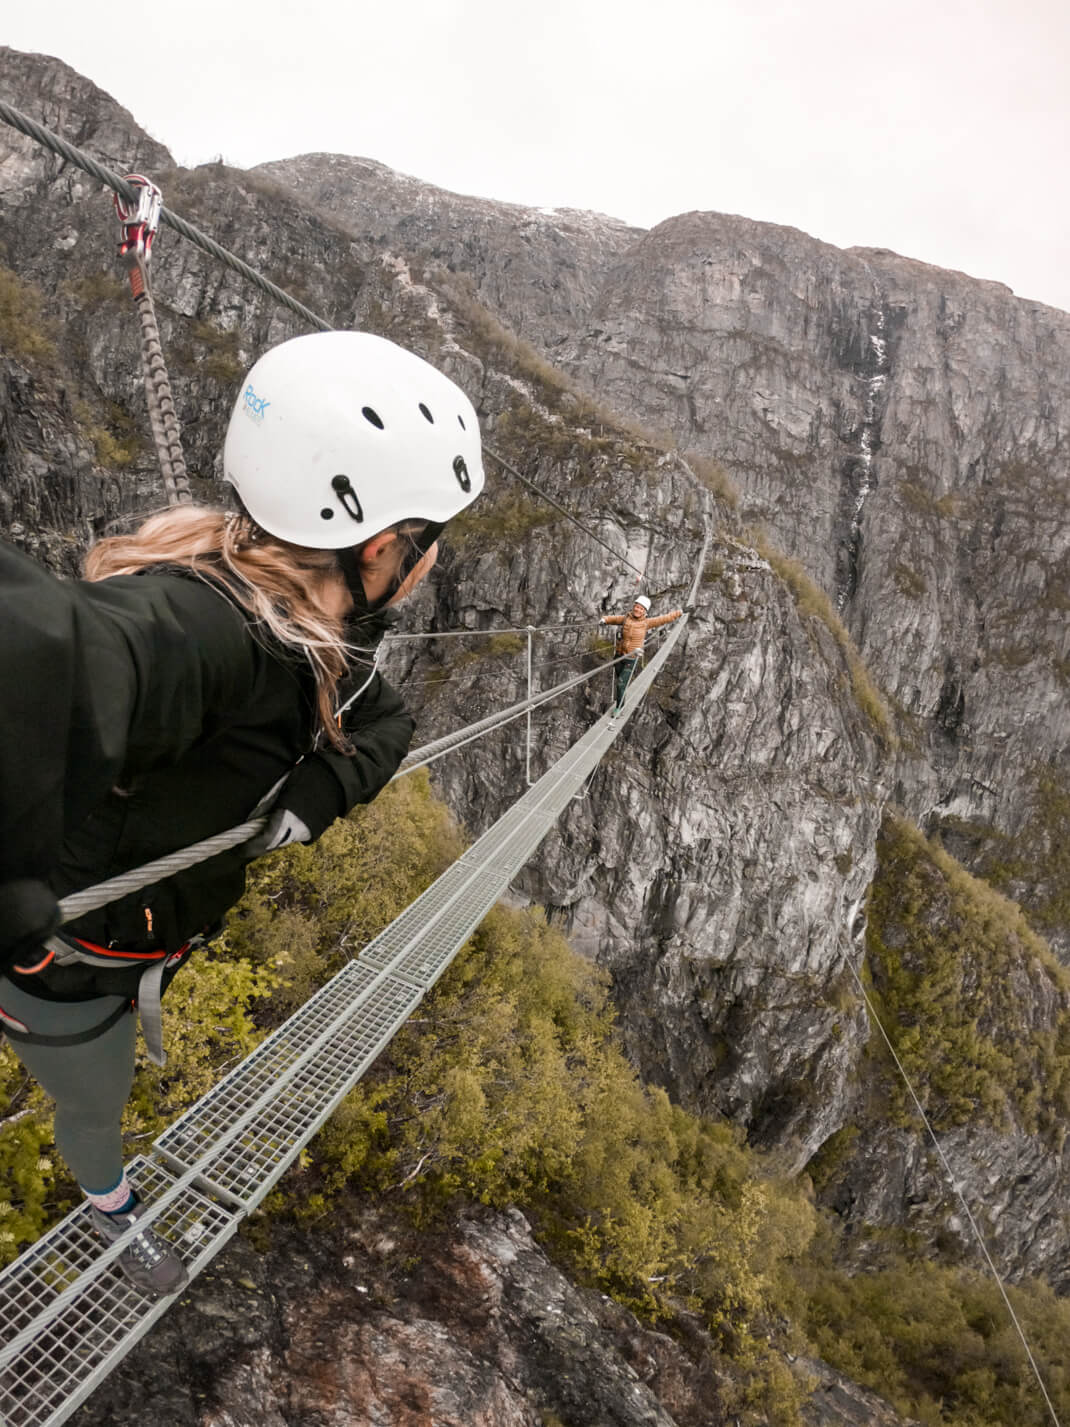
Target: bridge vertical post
x,y
531,633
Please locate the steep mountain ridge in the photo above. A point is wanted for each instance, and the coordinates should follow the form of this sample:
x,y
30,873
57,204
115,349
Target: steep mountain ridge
x,y
713,860
540,269
902,430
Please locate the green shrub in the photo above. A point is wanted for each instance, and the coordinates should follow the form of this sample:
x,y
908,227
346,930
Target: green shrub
x,y
939,1344
810,599
954,966
25,333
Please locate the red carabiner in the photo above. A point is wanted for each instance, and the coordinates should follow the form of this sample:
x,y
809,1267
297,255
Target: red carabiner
x,y
139,220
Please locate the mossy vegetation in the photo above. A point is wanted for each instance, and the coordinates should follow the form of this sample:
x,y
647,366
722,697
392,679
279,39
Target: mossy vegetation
x,y
908,582
939,1344
218,353
811,600
209,352
116,441
509,1088
503,519
26,334
97,290
714,477
919,498
975,1004
1038,857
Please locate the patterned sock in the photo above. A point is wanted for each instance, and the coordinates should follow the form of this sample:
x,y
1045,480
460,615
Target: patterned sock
x,y
118,1200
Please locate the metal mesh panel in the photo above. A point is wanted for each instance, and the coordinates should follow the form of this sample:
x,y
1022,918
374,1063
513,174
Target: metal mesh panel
x,y
214,1114
102,1319
250,1164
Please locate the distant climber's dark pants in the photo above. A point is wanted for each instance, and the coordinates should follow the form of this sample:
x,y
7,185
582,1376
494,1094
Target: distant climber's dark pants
x,y
90,1083
625,669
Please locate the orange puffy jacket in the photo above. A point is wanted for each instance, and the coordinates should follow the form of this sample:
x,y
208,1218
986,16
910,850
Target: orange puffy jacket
x,y
632,634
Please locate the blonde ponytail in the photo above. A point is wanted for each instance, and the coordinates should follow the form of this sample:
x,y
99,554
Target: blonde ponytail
x,y
276,583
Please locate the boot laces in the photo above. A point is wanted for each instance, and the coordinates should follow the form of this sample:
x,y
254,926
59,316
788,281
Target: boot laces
x,y
147,1249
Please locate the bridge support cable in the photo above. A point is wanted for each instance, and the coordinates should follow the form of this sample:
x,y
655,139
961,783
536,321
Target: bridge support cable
x,y
429,752
391,638
71,1314
77,904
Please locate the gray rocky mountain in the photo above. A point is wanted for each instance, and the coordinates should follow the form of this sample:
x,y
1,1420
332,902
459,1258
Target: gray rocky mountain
x,y
901,432
899,429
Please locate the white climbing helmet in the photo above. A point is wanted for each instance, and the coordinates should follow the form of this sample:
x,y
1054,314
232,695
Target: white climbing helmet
x,y
336,436
642,599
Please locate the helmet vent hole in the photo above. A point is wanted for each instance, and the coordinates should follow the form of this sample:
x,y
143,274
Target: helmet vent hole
x,y
326,513
460,420
373,417
424,412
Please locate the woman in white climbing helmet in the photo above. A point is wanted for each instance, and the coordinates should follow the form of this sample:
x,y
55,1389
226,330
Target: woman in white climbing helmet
x,y
207,658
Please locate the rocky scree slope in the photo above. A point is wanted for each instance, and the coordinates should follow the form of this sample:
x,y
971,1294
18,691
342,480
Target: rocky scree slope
x,y
712,859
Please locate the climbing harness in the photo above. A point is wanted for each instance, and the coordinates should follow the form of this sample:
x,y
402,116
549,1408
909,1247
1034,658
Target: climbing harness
x,y
17,1030
65,950
139,219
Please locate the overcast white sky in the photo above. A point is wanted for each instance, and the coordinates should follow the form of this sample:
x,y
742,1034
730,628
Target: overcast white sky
x,y
937,128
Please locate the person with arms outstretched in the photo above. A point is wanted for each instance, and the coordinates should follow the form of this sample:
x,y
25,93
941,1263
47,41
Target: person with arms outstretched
x,y
631,636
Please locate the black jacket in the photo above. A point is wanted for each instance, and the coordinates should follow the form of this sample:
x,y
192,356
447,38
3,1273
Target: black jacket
x,y
140,714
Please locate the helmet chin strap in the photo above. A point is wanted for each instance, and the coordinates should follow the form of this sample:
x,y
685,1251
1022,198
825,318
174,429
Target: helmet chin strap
x,y
349,563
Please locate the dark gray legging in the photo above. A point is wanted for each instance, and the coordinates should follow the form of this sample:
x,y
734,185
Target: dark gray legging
x,y
90,1083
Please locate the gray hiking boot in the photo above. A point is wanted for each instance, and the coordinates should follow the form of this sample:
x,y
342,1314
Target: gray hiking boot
x,y
149,1262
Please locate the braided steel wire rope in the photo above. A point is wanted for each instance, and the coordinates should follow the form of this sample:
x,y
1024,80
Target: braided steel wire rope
x,y
109,179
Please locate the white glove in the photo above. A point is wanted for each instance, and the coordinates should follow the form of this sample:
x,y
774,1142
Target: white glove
x,y
283,828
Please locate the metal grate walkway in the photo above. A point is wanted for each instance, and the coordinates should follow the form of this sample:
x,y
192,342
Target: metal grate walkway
x,y
67,1313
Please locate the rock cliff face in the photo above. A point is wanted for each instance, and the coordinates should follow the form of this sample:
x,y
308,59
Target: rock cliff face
x,y
368,1322
901,431
542,270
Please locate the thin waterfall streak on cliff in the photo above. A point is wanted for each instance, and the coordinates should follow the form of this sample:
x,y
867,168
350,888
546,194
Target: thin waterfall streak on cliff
x,y
875,384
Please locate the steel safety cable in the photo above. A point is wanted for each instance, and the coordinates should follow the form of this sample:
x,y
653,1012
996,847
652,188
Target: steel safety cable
x,y
480,633
90,899
954,1183
512,470
87,164
430,751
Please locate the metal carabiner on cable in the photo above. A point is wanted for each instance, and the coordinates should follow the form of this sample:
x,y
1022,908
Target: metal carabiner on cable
x,y
139,222
139,219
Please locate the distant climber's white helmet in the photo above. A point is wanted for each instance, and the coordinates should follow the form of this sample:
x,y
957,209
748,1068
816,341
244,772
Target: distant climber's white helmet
x,y
642,599
339,435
